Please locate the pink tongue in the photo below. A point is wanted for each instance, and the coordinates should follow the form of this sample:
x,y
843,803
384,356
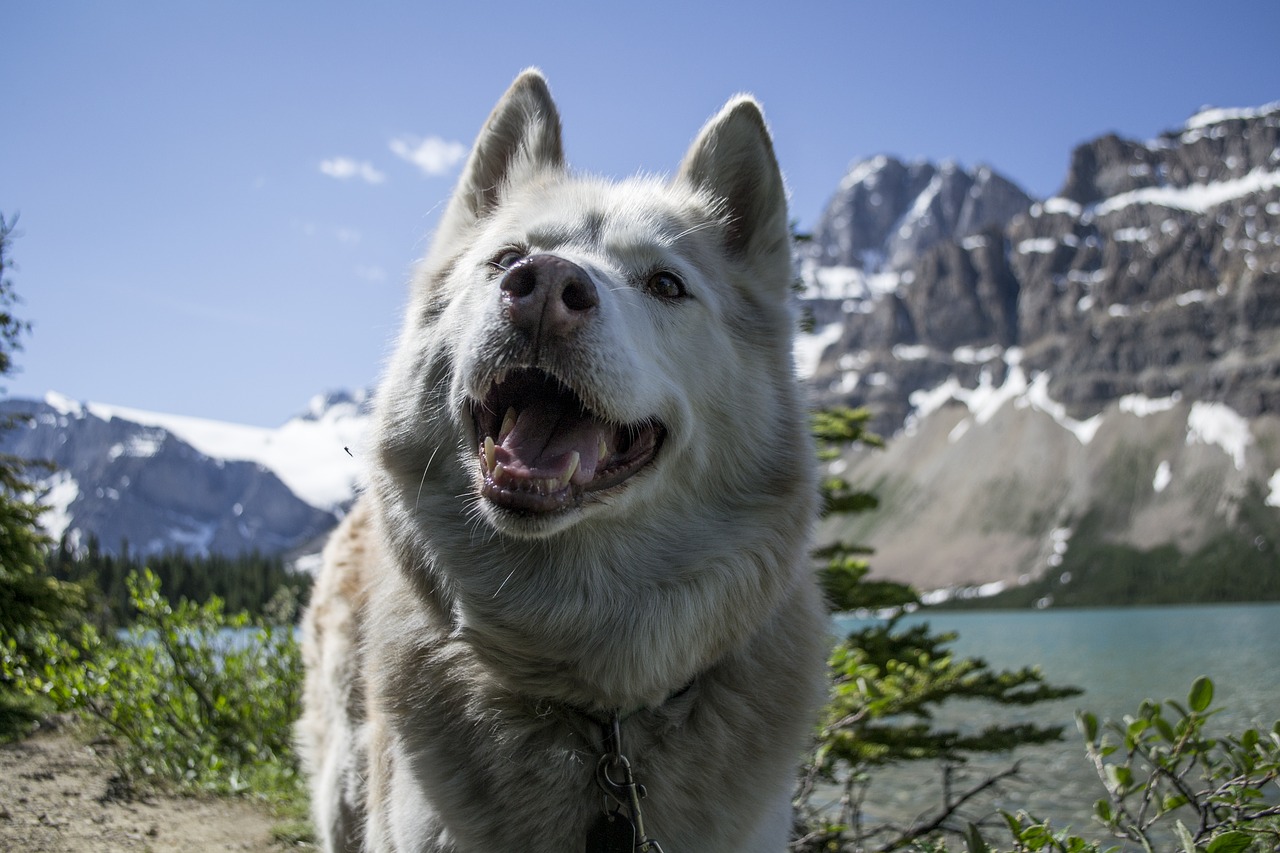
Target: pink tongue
x,y
544,437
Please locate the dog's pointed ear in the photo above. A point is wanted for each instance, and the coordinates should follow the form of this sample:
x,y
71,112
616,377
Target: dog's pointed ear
x,y
732,160
520,139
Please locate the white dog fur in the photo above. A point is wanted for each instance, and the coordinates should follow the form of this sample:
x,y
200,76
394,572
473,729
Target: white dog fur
x,y
484,610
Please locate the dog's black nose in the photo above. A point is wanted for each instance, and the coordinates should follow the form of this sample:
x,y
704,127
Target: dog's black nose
x,y
548,296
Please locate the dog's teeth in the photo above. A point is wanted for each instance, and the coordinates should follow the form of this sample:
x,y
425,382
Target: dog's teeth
x,y
490,453
574,459
508,424
604,449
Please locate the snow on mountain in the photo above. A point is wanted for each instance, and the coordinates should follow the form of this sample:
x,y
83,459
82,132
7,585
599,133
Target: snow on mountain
x,y
1110,355
1194,198
122,476
1213,115
316,455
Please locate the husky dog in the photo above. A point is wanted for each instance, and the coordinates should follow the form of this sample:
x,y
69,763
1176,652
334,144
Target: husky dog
x,y
573,603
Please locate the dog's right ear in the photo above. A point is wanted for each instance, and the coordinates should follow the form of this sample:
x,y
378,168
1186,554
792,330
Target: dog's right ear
x,y
520,139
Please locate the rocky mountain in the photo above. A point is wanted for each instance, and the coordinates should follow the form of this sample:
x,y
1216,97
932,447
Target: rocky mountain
x,y
1111,354
165,483
887,213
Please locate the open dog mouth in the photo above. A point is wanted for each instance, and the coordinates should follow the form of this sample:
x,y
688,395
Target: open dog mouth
x,y
541,449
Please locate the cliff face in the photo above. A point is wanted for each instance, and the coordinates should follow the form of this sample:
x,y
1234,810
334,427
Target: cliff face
x,y
1150,283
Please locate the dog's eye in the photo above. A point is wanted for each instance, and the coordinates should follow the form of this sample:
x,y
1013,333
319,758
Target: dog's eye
x,y
665,285
507,258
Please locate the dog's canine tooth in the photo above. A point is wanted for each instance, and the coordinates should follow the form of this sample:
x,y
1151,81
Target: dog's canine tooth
x,y
574,461
490,453
603,450
508,424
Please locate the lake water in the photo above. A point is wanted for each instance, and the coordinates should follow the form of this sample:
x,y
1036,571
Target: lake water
x,y
1119,657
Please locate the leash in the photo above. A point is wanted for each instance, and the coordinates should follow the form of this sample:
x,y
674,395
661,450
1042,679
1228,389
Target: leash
x,y
620,827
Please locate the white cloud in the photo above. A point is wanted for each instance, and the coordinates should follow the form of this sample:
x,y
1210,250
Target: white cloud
x,y
344,168
433,155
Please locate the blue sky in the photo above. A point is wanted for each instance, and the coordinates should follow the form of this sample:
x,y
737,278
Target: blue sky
x,y
220,202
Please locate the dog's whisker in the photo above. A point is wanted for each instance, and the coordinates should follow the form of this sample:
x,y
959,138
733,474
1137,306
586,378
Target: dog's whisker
x,y
417,502
498,591
693,229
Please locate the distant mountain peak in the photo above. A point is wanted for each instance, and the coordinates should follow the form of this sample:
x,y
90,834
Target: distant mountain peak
x,y
886,212
336,403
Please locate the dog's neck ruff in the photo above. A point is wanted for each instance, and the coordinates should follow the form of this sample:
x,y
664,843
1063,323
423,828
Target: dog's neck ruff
x,y
620,715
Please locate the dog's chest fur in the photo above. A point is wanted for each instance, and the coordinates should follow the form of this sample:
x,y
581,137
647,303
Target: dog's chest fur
x,y
464,763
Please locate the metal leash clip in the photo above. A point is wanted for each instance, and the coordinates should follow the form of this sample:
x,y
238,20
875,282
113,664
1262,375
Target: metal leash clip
x,y
625,792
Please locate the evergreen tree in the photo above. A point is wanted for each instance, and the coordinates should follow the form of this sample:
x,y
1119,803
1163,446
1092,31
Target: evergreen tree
x,y
32,602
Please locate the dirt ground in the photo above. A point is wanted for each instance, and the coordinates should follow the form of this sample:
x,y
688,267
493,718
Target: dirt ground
x,y
59,795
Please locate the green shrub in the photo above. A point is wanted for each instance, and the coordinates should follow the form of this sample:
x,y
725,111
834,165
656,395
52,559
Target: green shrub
x,y
193,695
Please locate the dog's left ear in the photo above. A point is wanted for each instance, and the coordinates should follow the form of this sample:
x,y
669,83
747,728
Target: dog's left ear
x,y
732,159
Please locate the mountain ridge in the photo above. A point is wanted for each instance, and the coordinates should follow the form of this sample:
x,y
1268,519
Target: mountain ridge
x,y
1151,280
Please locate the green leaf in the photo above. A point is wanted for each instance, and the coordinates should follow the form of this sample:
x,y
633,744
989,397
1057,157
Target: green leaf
x,y
1166,730
1184,835
1233,841
1121,777
1201,695
973,840
1088,725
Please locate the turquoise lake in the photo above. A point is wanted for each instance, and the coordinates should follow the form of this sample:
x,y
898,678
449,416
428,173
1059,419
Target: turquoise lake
x,y
1119,656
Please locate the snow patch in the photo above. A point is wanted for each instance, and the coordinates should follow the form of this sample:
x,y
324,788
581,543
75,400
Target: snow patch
x,y
309,563
196,540
1219,424
1164,476
1059,542
809,347
63,405
985,400
59,492
1196,198
903,352
1038,245
1206,118
309,456
972,355
1037,397
864,170
839,283
1142,405
1273,484
1057,204
925,403
1132,235
986,590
